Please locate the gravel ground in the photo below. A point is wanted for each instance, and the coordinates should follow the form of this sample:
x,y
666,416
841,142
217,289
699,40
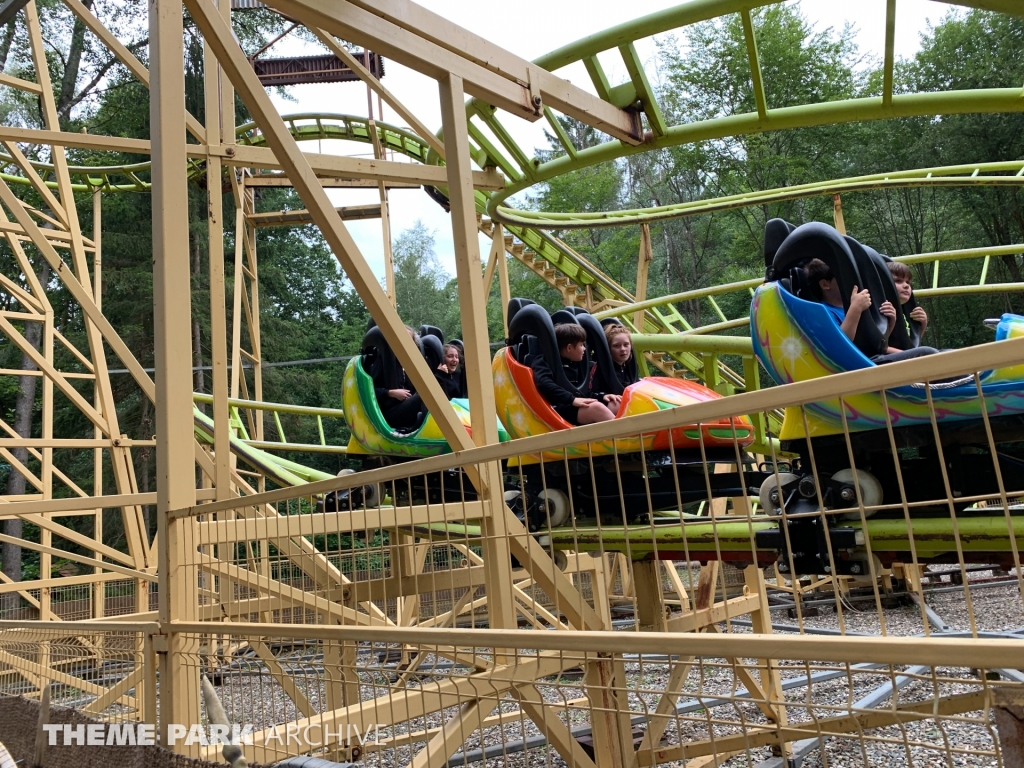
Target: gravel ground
x,y
252,695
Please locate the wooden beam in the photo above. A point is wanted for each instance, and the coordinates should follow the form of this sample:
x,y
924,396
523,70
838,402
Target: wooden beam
x,y
385,217
276,180
394,707
78,291
302,216
859,721
453,734
473,309
133,573
37,182
285,679
325,523
331,166
218,35
50,674
53,374
347,167
295,596
539,710
367,77
175,469
439,46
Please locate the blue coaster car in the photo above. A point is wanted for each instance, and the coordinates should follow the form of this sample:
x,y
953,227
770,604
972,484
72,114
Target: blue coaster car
x,y
797,339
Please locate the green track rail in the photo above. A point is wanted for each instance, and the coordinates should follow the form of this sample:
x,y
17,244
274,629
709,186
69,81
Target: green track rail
x,y
699,538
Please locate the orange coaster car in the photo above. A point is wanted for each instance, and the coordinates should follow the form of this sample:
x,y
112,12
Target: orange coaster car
x,y
524,412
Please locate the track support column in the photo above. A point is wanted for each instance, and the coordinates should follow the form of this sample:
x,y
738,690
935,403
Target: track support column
x,y
179,684
473,306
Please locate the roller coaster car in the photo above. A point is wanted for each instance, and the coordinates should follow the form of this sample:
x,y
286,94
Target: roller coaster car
x,y
798,340
586,478
376,443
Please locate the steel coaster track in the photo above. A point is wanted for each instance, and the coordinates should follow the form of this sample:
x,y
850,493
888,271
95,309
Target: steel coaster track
x,y
637,94
556,262
559,264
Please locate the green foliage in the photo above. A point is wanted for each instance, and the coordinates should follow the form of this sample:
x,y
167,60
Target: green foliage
x,y
424,291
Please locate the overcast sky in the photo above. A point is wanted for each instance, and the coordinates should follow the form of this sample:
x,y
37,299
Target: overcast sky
x,y
537,27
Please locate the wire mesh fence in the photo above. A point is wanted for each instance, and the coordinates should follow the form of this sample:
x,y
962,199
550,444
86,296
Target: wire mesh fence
x,y
665,589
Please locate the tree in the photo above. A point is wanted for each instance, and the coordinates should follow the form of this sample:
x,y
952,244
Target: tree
x,y
706,76
423,290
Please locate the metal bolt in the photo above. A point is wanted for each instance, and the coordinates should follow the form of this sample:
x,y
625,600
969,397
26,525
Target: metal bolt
x,y
848,493
828,569
537,101
774,497
783,568
855,568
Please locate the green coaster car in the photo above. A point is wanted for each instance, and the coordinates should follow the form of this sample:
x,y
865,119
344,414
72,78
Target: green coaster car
x,y
371,433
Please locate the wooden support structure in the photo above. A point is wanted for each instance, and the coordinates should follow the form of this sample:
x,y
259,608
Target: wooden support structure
x,y
227,550
179,691
642,267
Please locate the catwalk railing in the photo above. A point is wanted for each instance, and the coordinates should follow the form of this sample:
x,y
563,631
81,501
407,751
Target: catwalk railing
x,y
701,615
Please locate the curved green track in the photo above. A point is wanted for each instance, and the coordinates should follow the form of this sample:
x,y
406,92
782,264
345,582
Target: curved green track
x,y
637,94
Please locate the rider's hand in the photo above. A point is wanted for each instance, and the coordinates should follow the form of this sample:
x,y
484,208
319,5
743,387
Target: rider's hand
x,y
889,313
583,402
400,394
859,300
613,401
920,315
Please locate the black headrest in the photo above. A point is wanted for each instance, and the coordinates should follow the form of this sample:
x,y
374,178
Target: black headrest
x,y
600,353
563,317
379,361
514,305
531,332
433,351
775,231
820,241
431,330
611,321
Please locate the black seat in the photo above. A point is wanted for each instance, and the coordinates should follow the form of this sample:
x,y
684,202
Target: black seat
x,y
432,330
433,351
514,305
378,360
607,382
775,232
381,363
851,263
564,317
531,332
